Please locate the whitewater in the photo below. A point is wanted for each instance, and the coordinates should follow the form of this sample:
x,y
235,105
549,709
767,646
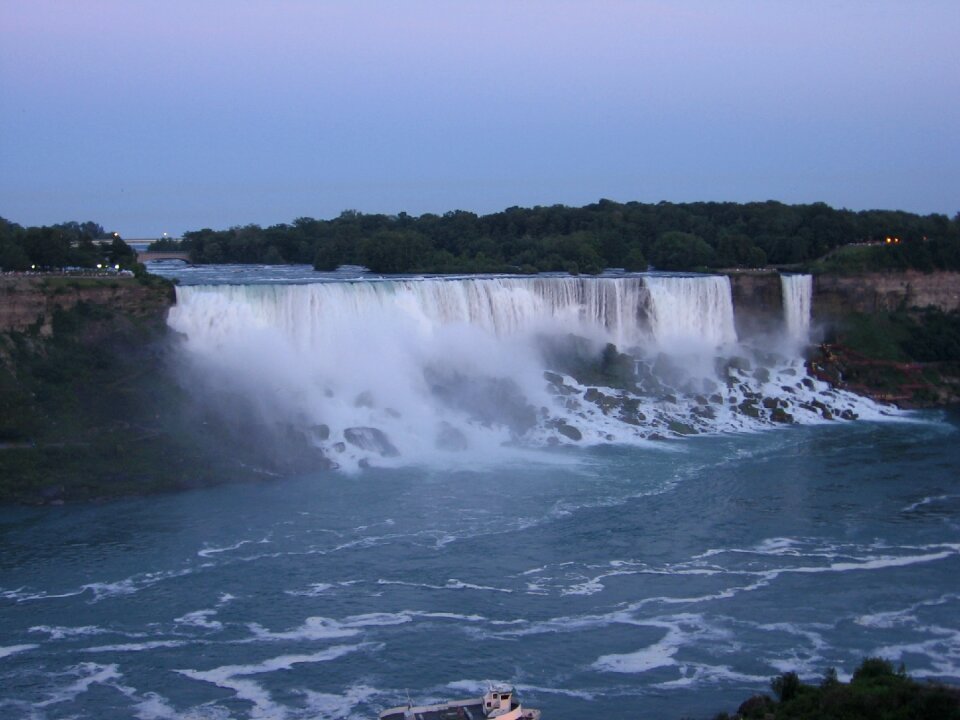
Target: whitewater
x,y
652,530
397,371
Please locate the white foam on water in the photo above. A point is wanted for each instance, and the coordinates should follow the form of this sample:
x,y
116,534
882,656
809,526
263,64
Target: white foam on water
x,y
477,688
90,674
315,590
209,551
451,584
57,632
200,619
21,594
681,630
932,500
313,628
138,647
234,677
907,616
327,706
14,649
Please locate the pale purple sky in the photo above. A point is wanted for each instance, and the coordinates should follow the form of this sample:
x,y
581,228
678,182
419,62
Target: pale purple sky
x,y
151,117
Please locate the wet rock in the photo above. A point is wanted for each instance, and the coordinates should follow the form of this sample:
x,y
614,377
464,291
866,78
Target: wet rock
x,y
364,399
450,438
761,374
321,432
789,371
701,400
708,386
681,428
593,395
705,412
748,408
788,389
570,431
770,403
371,439
716,398
339,447
808,383
827,415
739,363
779,415
849,415
552,378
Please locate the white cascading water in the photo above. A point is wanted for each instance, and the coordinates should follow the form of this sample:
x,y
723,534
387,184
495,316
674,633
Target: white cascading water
x,y
410,370
797,293
696,310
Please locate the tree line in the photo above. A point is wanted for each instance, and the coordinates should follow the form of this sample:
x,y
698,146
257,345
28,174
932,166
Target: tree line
x,y
606,234
69,244
588,239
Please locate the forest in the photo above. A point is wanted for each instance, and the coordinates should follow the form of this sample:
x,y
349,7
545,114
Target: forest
x,y
66,245
589,239
634,236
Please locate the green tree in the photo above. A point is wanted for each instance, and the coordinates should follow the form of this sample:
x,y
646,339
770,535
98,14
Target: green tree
x,y
681,251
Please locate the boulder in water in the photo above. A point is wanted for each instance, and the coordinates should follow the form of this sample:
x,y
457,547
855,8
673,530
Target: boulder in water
x,y
372,439
569,431
364,399
450,438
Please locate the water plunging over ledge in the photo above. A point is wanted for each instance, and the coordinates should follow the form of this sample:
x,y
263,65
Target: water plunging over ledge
x,y
402,370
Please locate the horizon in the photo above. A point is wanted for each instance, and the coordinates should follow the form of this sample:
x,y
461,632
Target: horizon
x,y
171,116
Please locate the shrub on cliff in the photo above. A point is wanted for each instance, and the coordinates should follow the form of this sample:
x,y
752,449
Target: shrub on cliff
x,y
876,692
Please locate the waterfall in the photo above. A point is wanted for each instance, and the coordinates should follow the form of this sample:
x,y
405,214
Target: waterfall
x,y
691,310
407,370
797,292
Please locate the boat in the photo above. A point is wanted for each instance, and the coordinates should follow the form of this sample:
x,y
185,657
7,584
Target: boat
x,y
498,702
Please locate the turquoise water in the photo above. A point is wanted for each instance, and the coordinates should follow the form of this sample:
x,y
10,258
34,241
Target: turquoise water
x,y
659,582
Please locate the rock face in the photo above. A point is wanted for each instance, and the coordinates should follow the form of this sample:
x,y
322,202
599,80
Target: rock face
x,y
885,292
757,301
29,302
371,439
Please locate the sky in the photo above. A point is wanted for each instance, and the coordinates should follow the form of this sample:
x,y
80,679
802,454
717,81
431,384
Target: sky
x,y
167,116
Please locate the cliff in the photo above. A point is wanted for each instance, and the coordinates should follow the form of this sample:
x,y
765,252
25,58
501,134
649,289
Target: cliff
x,y
885,292
891,336
756,293
28,303
89,405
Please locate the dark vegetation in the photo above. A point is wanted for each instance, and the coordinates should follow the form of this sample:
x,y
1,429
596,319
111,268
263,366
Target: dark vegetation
x,y
96,409
876,692
631,235
70,244
911,358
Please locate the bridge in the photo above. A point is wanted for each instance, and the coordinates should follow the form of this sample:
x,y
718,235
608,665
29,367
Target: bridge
x,y
154,255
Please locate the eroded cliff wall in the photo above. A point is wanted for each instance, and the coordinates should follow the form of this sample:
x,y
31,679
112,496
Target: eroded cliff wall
x,y
885,292
28,302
